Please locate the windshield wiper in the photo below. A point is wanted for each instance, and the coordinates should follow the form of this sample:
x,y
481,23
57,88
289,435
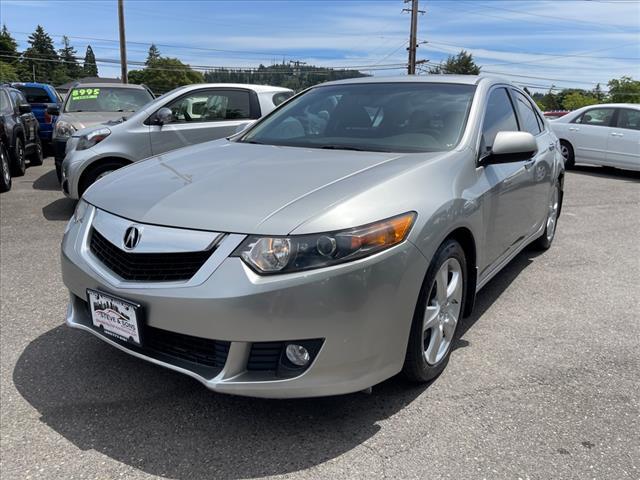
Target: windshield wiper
x,y
343,147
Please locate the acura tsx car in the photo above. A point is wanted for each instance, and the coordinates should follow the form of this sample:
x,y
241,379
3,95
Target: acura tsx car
x,y
337,242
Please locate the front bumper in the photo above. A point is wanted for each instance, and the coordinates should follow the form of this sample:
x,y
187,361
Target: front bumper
x,y
74,163
362,310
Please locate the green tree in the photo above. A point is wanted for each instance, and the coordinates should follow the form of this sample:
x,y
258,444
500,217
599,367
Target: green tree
x,y
8,47
624,90
165,74
8,73
69,55
462,64
41,57
89,68
153,55
575,100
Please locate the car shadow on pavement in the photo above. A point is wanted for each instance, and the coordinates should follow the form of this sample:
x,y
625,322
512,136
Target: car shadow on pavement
x,y
47,181
59,210
167,424
607,172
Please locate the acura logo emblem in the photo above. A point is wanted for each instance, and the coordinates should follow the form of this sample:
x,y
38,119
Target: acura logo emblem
x,y
132,237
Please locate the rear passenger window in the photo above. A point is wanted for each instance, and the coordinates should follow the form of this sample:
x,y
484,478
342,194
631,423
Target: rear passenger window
x,y
280,97
629,119
499,117
35,94
527,115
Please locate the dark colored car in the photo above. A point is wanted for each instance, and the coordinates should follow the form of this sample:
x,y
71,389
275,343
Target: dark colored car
x,y
22,129
41,96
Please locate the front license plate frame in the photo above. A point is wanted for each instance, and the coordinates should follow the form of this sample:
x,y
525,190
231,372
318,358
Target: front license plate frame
x,y
115,316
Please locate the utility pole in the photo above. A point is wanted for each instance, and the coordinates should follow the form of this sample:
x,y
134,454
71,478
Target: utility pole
x,y
123,46
413,35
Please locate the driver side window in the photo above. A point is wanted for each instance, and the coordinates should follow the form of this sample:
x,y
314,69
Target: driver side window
x,y
211,106
499,117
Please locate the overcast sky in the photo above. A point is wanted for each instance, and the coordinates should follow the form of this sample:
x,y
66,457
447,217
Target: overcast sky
x,y
566,43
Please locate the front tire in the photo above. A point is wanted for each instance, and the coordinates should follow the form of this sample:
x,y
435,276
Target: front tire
x,y
438,314
35,158
18,165
96,173
5,170
568,154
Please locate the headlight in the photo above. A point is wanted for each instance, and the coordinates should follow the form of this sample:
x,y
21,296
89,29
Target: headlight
x,y
78,215
92,138
269,255
64,129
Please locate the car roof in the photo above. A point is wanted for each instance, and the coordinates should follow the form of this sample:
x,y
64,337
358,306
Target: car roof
x,y
30,84
612,105
254,87
110,85
453,79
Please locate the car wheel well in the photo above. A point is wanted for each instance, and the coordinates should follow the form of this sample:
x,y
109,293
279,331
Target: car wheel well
x,y
466,240
97,164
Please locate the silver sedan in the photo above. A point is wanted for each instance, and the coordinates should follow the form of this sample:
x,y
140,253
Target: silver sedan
x,y
337,242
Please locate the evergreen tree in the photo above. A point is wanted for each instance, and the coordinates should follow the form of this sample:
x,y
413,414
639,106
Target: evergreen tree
x,y
41,56
69,55
461,64
154,55
90,69
8,72
8,47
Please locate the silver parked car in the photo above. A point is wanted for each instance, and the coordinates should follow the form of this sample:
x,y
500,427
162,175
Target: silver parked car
x,y
607,135
89,104
185,116
335,243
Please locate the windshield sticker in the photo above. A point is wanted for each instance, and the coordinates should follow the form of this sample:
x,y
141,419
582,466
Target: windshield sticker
x,y
85,94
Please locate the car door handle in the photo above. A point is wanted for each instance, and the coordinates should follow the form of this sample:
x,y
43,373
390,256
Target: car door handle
x,y
615,134
574,129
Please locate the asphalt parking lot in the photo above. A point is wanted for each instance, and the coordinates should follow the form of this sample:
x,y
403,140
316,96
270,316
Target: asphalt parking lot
x,y
543,383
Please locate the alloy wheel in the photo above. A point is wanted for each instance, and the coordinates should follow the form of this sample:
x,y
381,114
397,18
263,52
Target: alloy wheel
x,y
443,311
552,216
5,166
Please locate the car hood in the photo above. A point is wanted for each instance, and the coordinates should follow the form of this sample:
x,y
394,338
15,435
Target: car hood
x,y
243,188
82,120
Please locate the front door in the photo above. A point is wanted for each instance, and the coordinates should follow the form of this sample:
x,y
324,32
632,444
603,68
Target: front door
x,y
200,116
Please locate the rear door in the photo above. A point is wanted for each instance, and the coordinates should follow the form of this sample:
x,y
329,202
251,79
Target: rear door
x,y
590,135
623,147
28,120
203,115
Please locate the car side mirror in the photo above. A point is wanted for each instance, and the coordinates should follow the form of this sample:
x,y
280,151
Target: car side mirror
x,y
24,108
53,110
511,147
164,115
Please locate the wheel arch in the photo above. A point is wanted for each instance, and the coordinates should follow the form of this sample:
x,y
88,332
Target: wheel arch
x,y
467,241
97,164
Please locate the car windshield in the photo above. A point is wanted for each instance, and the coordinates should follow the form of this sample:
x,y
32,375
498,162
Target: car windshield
x,y
388,117
106,99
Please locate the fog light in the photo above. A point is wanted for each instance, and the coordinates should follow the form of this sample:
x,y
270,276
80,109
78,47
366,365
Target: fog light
x,y
297,354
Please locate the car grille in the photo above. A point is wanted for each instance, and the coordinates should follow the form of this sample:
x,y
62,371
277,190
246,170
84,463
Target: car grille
x,y
149,267
202,351
265,356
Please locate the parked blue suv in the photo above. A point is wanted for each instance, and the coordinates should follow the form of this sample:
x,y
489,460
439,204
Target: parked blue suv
x,y
40,96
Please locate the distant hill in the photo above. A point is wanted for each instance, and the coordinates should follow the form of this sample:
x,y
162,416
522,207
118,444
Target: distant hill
x,y
281,75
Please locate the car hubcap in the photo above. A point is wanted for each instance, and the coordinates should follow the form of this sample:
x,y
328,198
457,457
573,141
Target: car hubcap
x,y
442,312
553,214
5,168
564,151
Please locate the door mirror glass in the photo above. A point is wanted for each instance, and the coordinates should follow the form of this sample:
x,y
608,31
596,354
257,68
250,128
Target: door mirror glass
x,y
511,147
164,115
53,110
24,108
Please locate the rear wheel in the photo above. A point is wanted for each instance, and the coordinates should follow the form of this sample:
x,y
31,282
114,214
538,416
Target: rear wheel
x,y
36,156
5,170
98,172
18,166
546,239
567,153
438,314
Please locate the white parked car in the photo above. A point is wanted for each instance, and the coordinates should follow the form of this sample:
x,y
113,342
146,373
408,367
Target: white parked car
x,y
185,116
607,134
